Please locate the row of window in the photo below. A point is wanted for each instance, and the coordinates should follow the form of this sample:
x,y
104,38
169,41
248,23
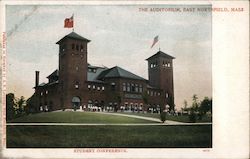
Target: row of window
x,y
92,70
46,92
154,93
94,87
73,47
132,87
164,64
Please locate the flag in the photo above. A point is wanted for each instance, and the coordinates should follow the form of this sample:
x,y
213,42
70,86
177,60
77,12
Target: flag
x,y
155,41
69,22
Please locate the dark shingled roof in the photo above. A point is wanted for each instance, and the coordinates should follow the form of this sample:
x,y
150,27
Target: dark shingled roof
x,y
55,73
73,35
92,76
118,72
161,54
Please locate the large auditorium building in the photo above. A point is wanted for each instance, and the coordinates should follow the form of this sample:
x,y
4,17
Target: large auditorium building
x,y
78,85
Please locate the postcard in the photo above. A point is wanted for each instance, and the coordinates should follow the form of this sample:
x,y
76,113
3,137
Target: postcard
x,y
125,79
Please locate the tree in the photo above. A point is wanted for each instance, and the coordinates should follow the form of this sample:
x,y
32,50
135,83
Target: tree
x,y
194,109
195,104
205,106
185,104
20,103
10,106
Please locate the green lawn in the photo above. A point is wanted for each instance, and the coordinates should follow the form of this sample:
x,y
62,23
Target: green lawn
x,y
183,118
109,136
77,117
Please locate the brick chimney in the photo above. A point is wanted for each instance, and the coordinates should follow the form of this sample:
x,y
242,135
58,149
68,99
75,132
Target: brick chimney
x,y
37,78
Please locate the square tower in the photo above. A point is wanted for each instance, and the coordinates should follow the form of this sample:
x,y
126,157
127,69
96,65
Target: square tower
x,y
160,75
73,68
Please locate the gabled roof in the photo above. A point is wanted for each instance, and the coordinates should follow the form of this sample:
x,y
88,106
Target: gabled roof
x,y
55,73
73,35
118,72
160,54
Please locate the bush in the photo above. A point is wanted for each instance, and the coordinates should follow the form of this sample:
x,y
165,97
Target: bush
x,y
192,117
163,116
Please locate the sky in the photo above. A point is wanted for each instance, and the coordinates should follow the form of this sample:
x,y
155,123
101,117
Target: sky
x,y
121,35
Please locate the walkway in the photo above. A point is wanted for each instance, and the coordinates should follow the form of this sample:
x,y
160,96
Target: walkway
x,y
167,122
142,117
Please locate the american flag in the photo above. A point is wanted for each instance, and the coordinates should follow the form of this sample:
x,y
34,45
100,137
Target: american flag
x,y
69,22
155,41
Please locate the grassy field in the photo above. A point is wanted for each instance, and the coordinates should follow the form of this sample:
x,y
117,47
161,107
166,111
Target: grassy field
x,y
183,118
77,117
109,136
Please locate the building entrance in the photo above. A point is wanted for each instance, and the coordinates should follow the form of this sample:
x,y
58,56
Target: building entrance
x,y
76,101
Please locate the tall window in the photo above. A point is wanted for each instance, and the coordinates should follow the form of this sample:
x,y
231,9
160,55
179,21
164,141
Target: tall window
x,y
132,87
124,87
140,88
136,88
81,48
73,46
128,87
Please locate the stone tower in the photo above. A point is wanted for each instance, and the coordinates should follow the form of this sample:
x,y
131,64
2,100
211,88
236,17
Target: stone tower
x,y
160,72
73,69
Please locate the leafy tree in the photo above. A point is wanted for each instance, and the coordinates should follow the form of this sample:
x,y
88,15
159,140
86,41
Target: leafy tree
x,y
185,104
195,104
205,106
10,106
194,109
192,116
184,108
20,103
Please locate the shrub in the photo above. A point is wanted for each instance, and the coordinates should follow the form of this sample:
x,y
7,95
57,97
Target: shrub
x,y
192,117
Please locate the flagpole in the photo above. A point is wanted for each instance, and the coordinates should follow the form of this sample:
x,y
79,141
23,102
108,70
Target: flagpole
x,y
73,23
159,44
